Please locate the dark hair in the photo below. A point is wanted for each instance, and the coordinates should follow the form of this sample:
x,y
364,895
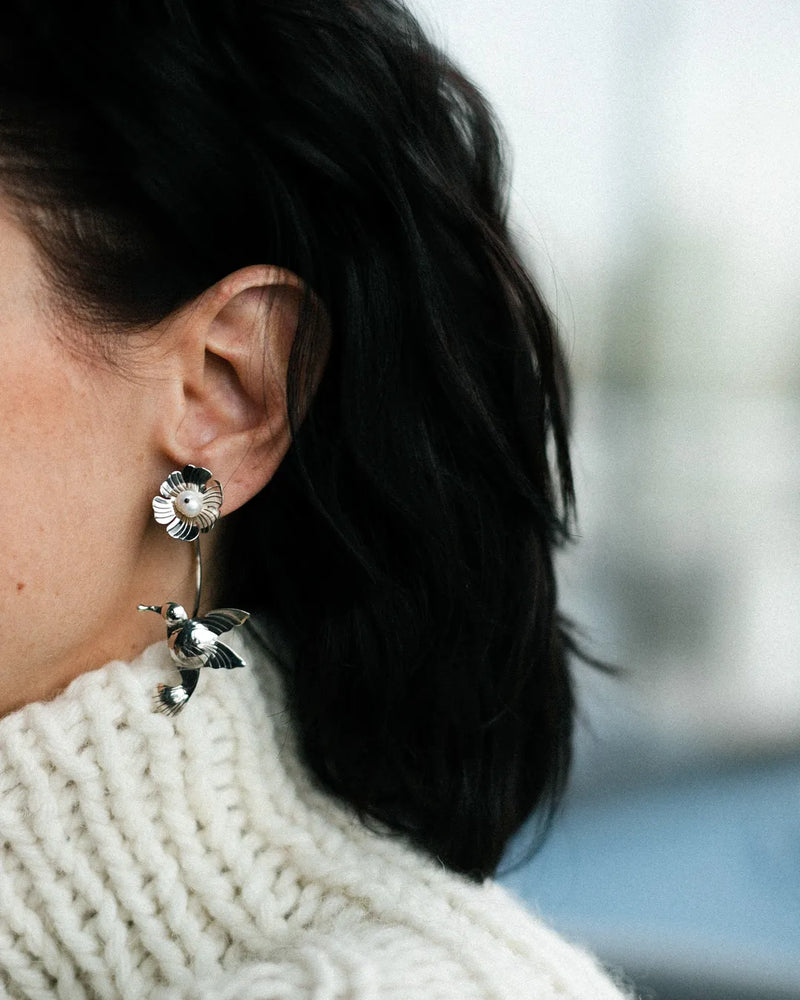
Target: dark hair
x,y
405,544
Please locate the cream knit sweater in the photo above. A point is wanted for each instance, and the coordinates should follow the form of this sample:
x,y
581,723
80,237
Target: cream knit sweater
x,y
149,857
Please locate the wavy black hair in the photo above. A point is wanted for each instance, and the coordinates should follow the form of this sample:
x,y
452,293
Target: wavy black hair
x,y
405,544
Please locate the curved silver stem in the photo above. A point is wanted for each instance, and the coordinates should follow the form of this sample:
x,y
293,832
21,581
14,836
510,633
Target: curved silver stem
x,y
198,576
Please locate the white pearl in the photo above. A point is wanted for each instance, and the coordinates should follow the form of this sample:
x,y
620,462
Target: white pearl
x,y
189,503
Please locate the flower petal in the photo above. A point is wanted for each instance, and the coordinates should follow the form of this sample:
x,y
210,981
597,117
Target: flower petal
x,y
196,475
213,495
163,510
173,484
183,530
206,519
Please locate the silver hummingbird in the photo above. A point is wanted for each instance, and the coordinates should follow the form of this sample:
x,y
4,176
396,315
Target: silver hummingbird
x,y
193,644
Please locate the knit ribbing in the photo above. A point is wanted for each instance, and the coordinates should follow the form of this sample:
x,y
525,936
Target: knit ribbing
x,y
193,857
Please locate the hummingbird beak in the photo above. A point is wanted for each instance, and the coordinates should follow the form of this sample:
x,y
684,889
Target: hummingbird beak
x,y
149,607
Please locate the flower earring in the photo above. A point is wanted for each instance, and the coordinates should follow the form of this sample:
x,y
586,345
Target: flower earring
x,y
188,506
189,503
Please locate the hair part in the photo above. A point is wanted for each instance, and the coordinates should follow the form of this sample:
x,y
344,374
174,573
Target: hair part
x,y
405,545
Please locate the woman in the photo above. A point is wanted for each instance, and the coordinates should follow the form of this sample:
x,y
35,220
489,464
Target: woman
x,y
259,249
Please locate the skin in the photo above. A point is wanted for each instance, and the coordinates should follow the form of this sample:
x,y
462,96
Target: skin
x,y
85,445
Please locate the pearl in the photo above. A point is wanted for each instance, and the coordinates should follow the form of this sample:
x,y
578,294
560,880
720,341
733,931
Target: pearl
x,y
189,503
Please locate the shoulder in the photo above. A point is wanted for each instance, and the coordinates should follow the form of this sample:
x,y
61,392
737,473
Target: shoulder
x,y
371,960
381,920
472,945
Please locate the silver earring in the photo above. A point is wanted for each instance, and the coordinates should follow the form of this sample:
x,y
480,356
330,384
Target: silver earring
x,y
188,505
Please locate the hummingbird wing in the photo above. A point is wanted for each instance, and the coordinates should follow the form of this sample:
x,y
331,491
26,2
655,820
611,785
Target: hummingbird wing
x,y
223,656
223,619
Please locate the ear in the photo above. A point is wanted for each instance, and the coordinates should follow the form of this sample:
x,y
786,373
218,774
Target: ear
x,y
228,357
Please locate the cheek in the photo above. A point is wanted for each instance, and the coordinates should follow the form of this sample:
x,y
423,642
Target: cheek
x,y
72,504
75,486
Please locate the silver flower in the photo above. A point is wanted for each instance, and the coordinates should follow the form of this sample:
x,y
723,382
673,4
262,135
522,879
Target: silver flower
x,y
189,503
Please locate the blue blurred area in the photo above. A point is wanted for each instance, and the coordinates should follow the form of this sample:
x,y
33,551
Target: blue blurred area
x,y
690,885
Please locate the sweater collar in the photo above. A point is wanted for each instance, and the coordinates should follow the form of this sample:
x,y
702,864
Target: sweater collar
x,y
130,834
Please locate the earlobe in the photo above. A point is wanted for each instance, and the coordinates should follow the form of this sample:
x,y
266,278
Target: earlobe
x,y
234,344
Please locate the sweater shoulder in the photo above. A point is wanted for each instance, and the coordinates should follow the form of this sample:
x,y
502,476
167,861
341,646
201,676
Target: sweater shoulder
x,y
368,960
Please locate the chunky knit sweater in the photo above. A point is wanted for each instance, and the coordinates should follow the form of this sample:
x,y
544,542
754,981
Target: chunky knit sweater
x,y
192,857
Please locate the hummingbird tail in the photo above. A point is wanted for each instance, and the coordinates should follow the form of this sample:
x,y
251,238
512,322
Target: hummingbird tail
x,y
170,700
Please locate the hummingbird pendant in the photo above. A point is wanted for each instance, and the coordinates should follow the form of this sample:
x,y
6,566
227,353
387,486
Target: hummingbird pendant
x,y
193,644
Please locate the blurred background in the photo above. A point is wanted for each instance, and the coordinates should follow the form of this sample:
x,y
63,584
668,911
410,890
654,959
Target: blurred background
x,y
656,189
